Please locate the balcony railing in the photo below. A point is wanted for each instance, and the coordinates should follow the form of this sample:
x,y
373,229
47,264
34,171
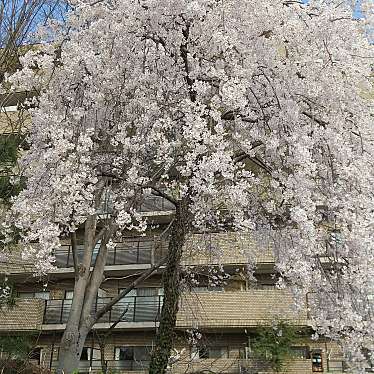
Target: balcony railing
x,y
150,204
129,251
129,309
111,364
156,204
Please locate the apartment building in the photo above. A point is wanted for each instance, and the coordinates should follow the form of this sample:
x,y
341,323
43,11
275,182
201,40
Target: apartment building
x,y
217,320
216,323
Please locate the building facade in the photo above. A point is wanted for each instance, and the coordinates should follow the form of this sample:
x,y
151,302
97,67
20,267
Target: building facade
x,y
217,320
220,311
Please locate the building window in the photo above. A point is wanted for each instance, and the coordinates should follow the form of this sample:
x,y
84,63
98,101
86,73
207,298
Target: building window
x,y
69,295
124,354
317,365
204,352
301,352
132,354
218,352
34,295
90,354
86,354
141,304
10,108
35,356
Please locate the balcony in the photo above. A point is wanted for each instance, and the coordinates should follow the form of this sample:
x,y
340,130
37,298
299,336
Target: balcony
x,y
141,252
215,248
130,309
240,366
152,205
25,315
226,248
232,366
294,366
199,310
130,251
157,204
12,262
226,365
123,365
237,309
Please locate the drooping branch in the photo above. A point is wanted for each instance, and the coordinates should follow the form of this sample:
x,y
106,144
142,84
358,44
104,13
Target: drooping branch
x,y
158,192
317,120
184,54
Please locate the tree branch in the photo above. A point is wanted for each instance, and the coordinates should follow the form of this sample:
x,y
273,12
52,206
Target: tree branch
x,y
96,276
312,117
115,300
146,274
73,240
184,54
160,193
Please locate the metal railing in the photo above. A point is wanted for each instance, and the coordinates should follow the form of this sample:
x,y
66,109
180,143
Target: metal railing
x,y
132,365
335,365
156,204
139,250
136,308
150,204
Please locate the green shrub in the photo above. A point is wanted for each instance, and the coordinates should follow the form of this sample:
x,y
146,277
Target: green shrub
x,y
274,343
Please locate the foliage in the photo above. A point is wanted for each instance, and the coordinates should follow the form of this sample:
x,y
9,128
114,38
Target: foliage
x,y
9,189
10,185
9,148
16,351
17,346
274,343
7,294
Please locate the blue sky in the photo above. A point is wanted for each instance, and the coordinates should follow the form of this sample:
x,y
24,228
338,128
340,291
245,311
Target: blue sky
x,y
357,13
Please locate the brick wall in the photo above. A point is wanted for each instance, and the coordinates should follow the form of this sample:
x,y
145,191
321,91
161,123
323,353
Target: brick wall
x,y
295,367
13,120
12,263
26,315
236,309
225,248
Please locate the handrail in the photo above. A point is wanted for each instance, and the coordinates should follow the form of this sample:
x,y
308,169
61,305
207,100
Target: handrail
x,y
139,309
138,250
111,364
150,204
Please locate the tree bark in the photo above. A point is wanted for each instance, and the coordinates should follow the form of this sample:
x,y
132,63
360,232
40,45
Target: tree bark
x,y
87,282
73,339
171,283
81,321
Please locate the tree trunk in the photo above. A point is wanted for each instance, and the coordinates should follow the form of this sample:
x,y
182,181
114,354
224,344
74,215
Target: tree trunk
x,y
71,347
74,336
171,283
104,364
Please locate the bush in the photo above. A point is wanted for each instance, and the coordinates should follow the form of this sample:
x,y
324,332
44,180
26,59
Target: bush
x,y
274,343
